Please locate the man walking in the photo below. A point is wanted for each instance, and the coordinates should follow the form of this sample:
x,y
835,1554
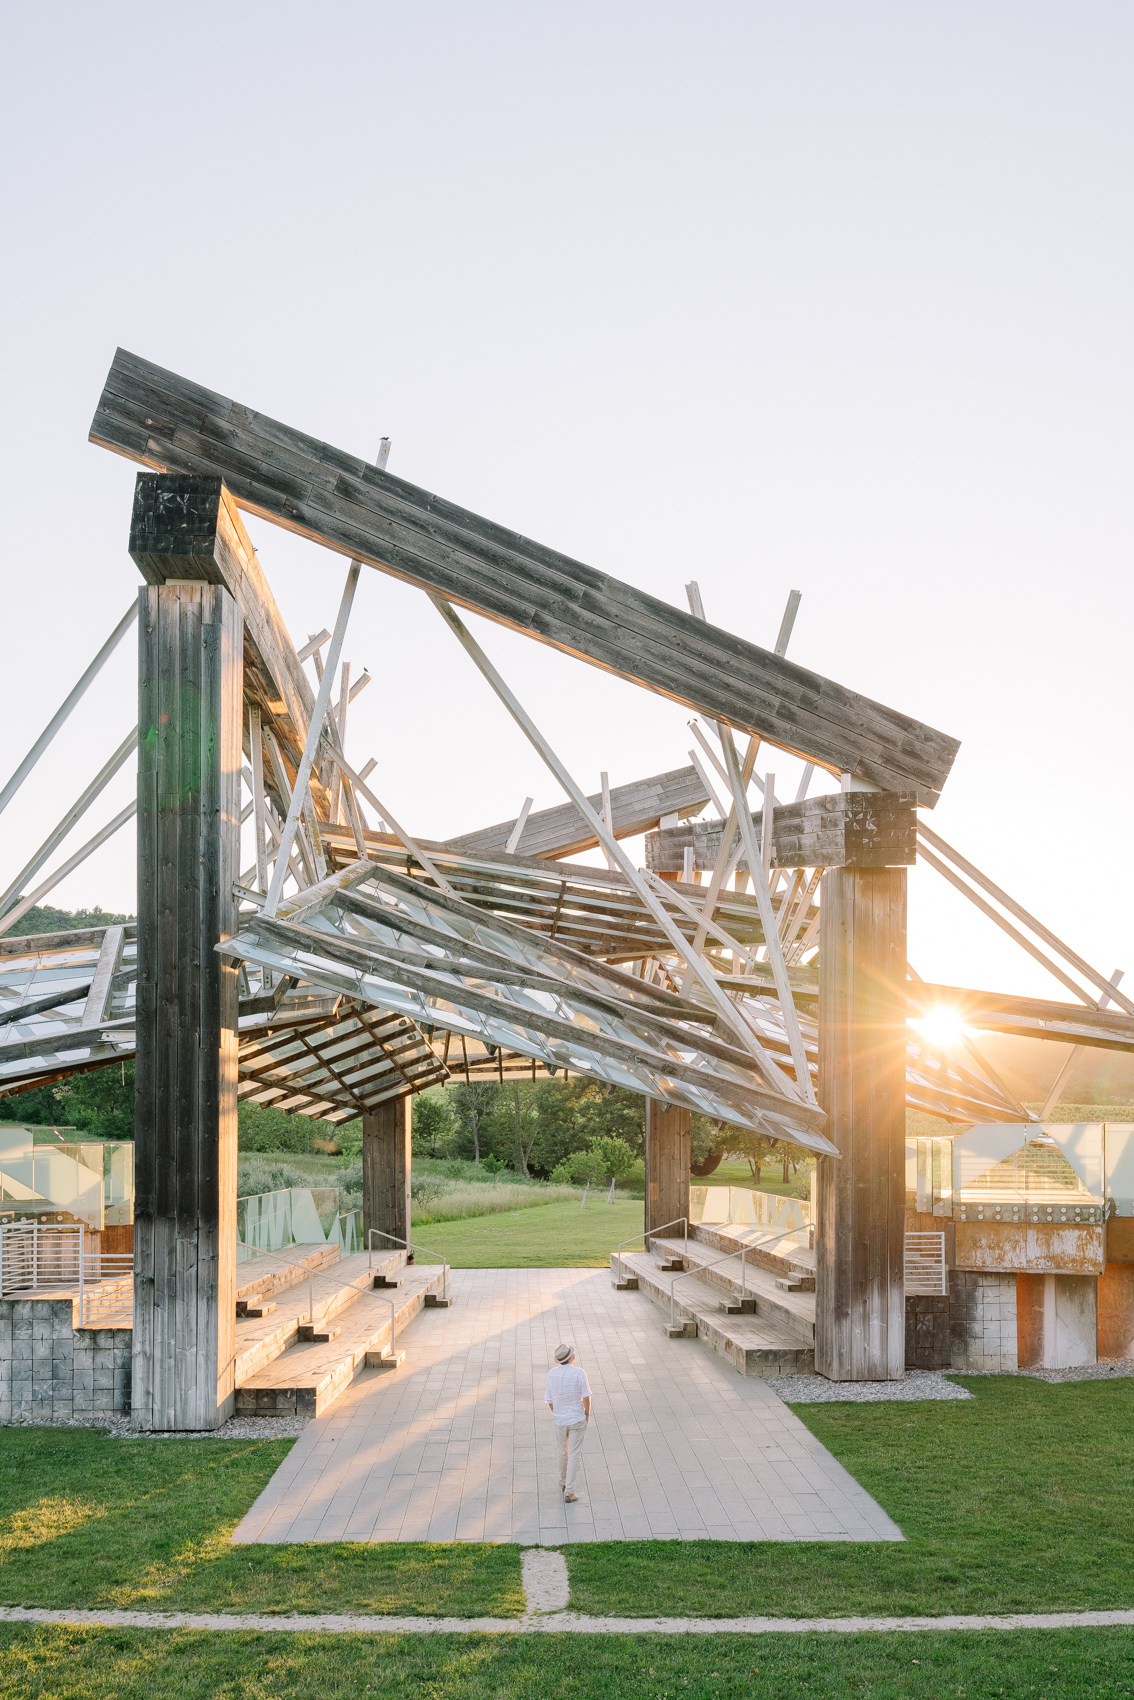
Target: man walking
x,y
568,1396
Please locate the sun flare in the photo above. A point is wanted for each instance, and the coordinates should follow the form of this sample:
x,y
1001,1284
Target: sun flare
x,y
942,1026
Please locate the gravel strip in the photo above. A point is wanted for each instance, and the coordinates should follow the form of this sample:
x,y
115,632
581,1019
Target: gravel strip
x,y
1105,1370
817,1390
237,1428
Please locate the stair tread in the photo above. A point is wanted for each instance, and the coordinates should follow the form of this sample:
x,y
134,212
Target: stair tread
x,y
747,1332
311,1364
260,1340
760,1282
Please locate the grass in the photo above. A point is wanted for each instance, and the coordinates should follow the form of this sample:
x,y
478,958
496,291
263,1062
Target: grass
x,y
550,1236
734,1171
1021,1499
459,1200
95,1664
145,1524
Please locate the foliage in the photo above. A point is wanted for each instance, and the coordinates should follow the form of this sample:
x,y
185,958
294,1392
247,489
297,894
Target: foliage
x,y
570,1113
45,918
260,1174
454,1201
99,1105
260,1128
472,1105
707,1143
434,1124
603,1158
515,1124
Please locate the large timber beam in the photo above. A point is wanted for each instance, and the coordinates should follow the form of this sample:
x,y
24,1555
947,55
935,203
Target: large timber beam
x,y
862,829
188,527
167,422
860,1281
552,834
189,720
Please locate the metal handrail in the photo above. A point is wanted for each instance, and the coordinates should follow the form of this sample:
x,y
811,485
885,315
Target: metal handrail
x,y
340,1286
647,1235
410,1245
689,1274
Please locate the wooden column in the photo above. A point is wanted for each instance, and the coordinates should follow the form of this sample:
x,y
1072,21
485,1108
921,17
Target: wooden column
x,y
387,1136
190,672
667,1164
860,1293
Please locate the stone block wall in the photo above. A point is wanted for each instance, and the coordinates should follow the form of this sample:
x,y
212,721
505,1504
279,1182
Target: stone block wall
x,y
929,1338
51,1371
982,1320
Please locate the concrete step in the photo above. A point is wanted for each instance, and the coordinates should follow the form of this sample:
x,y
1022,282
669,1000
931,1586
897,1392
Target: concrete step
x,y
254,1307
259,1340
307,1379
751,1344
794,1311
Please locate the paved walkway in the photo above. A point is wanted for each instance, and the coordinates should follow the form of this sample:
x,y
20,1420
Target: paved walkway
x,y
557,1623
458,1444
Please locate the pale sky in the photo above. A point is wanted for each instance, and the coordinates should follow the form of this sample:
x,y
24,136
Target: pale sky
x,y
818,296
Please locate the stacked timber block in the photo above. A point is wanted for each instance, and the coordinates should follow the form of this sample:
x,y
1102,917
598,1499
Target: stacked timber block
x,y
51,1371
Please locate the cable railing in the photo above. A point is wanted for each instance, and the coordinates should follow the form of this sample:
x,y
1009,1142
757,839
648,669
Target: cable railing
x,y
647,1236
410,1246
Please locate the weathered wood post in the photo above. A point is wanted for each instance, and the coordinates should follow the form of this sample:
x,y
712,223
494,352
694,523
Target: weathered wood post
x,y
190,694
667,1164
387,1144
860,1292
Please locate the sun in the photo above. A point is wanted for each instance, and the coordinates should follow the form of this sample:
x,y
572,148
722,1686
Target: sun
x,y
942,1026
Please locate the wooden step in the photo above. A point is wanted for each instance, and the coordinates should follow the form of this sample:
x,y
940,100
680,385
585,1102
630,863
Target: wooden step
x,y
310,1332
307,1378
385,1359
753,1345
259,1340
261,1307
382,1284
792,1310
670,1265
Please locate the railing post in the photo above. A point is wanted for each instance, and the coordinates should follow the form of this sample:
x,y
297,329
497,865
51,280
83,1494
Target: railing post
x,y
81,1260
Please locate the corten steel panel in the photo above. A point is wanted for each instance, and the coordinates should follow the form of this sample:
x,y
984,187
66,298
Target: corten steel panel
x,y
860,1298
189,718
169,423
667,1165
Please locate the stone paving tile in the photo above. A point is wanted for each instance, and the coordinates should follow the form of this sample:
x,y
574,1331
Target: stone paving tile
x,y
458,1444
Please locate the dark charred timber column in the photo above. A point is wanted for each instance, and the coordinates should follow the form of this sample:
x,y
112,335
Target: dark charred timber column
x,y
190,697
387,1135
667,1164
860,1297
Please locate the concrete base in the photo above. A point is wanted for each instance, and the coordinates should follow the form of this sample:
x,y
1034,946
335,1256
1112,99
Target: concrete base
x,y
1057,1323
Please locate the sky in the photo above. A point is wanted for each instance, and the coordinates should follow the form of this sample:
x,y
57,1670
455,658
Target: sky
x,y
825,297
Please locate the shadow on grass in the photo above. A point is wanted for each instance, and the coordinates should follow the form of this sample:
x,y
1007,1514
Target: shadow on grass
x,y
88,1520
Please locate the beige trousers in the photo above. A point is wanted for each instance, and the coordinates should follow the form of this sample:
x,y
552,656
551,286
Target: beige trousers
x,y
570,1440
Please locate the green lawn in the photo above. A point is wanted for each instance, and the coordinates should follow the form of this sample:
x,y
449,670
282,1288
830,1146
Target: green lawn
x,y
97,1664
1021,1499
145,1524
546,1236
735,1172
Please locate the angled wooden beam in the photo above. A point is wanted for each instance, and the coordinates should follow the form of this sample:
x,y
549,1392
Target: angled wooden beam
x,y
556,833
352,506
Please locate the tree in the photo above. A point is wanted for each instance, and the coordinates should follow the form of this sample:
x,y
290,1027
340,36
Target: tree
x,y
604,1157
99,1104
473,1105
515,1123
707,1144
434,1124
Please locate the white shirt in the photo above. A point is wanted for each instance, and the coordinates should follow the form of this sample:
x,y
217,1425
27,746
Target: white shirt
x,y
567,1387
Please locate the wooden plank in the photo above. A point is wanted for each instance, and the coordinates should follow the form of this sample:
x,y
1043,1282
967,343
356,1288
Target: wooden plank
x,y
190,720
860,1302
562,831
351,506
861,829
98,998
